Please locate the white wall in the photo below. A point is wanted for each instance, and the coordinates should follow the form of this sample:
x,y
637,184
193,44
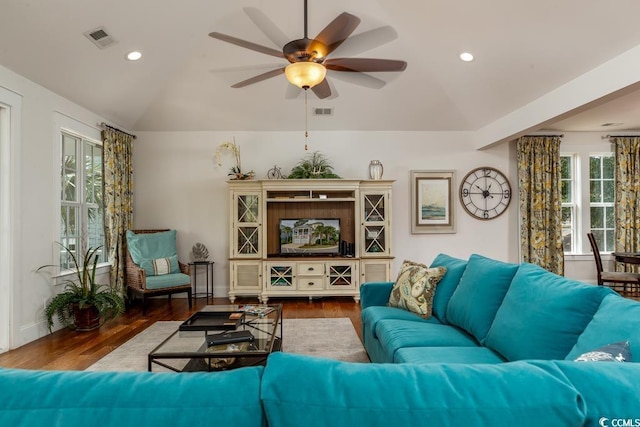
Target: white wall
x,y
178,185
37,179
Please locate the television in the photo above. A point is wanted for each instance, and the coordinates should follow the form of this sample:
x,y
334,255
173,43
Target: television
x,y
309,237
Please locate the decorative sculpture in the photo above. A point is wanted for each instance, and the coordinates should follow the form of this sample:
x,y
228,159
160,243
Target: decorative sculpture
x,y
200,252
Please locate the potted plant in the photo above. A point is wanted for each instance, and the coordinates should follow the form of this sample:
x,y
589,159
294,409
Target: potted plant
x,y
84,305
316,165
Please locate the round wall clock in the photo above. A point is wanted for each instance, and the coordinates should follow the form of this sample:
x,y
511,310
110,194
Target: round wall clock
x,y
485,193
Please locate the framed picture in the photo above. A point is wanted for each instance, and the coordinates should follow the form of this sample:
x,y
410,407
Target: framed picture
x,y
432,202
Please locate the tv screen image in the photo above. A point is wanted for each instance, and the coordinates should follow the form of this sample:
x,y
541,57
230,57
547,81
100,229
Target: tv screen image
x,y
310,236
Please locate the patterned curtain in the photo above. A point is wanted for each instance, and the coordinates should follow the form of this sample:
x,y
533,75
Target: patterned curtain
x,y
118,197
627,208
540,202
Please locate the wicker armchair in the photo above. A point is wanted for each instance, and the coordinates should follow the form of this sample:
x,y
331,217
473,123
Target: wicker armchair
x,y
136,281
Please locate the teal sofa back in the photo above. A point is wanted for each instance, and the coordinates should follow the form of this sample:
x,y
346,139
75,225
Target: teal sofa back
x,y
130,399
296,390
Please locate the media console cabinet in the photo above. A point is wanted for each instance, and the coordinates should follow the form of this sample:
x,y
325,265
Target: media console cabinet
x,y
257,266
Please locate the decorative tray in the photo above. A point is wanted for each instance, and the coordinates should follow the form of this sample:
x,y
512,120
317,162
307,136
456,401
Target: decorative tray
x,y
204,321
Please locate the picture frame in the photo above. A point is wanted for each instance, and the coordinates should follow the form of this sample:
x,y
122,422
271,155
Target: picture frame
x,y
432,202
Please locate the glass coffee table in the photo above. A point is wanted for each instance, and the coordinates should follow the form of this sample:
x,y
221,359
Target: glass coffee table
x,y
187,350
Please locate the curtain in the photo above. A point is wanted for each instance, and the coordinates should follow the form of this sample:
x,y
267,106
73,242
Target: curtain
x,y
118,197
540,202
627,208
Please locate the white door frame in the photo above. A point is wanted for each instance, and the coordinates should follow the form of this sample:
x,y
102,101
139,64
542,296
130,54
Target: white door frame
x,y
10,111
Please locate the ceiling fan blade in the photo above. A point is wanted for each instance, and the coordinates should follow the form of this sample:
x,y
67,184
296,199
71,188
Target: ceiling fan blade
x,y
360,79
246,44
365,65
322,89
365,41
335,33
267,26
293,92
259,78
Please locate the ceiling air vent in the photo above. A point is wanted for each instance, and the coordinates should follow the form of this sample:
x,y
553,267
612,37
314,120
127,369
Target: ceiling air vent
x,y
100,37
317,111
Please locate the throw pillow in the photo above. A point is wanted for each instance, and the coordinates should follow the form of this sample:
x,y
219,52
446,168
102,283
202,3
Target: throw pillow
x,y
160,266
414,288
616,352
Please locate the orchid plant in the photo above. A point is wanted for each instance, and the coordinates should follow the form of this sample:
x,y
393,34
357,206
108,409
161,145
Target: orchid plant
x,y
236,171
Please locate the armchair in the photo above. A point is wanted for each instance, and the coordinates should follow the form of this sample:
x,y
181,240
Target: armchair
x,y
152,267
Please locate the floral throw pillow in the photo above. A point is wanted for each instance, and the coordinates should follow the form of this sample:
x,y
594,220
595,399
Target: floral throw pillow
x,y
415,287
616,352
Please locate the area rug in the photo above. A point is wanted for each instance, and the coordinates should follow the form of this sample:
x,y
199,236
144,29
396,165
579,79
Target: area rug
x,y
334,338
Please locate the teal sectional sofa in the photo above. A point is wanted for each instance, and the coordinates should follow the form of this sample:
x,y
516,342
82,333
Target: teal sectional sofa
x,y
295,390
489,312
498,351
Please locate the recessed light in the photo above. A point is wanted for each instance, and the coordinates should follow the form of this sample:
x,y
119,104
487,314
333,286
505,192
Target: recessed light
x,y
134,55
466,57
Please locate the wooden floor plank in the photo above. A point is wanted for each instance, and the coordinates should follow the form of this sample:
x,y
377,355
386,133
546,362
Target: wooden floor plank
x,y
69,350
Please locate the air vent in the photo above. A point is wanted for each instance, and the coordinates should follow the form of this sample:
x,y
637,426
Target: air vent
x,y
100,37
317,111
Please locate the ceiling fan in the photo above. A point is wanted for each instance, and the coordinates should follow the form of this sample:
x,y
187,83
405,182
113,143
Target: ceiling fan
x,y
308,62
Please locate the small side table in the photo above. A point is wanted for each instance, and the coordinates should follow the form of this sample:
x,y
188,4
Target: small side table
x,y
208,265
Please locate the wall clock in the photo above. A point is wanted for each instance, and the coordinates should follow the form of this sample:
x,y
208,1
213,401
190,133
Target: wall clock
x,y
485,193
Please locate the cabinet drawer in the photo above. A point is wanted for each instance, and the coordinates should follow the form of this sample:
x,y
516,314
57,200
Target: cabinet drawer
x,y
310,269
308,283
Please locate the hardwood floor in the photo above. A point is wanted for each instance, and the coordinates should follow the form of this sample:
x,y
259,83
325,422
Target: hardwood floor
x,y
69,350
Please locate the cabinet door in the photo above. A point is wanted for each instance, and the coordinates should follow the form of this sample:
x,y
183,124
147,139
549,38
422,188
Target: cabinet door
x,y
246,278
341,275
280,277
247,225
375,224
375,270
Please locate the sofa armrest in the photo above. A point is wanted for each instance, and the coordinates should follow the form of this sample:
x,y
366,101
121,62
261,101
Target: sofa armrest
x,y
375,293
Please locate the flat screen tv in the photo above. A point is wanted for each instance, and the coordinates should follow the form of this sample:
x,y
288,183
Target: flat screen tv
x,y
310,237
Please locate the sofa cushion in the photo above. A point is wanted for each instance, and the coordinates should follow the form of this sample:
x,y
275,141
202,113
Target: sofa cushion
x,y
448,284
542,315
395,334
301,390
168,281
414,288
422,355
617,319
160,266
75,398
372,315
610,390
616,352
144,246
476,300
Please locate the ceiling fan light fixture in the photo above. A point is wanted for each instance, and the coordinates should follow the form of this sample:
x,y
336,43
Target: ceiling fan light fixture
x,y
305,75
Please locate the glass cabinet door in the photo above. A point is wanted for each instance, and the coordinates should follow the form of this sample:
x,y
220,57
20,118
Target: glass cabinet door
x,y
247,226
341,276
375,224
280,276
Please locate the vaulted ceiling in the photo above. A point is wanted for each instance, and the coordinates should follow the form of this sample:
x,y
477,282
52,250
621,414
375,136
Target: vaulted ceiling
x,y
524,50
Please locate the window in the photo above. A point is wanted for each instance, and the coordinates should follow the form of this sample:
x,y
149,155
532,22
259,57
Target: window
x,y
596,194
567,178
81,208
601,198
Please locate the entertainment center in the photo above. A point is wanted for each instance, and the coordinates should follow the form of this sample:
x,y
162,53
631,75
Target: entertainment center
x,y
308,237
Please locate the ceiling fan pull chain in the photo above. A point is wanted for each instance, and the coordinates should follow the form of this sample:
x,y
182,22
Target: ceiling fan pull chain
x,y
306,126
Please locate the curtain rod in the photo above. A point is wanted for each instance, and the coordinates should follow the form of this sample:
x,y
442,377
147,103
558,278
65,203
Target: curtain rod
x,y
619,136
104,125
